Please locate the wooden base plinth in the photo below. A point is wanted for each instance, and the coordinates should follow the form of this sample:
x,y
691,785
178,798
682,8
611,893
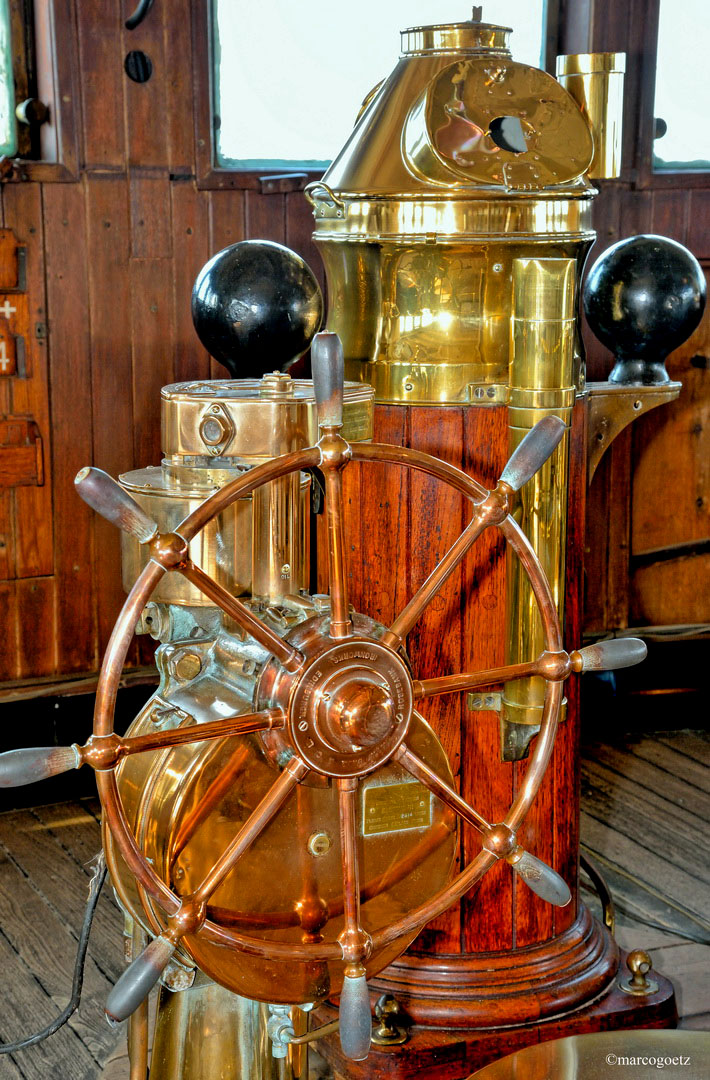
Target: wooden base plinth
x,y
511,987
470,1010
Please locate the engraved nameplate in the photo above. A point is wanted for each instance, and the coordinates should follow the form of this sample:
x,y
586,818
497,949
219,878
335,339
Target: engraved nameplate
x,y
388,808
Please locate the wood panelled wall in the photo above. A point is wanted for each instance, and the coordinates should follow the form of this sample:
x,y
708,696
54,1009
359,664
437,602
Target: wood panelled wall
x,y
113,250
647,557
651,492
114,239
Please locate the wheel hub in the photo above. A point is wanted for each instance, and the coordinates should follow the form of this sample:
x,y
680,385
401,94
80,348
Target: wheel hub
x,y
349,706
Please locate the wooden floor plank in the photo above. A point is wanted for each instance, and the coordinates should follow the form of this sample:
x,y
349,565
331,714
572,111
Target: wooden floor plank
x,y
631,816
49,950
623,791
116,1069
672,762
694,744
56,874
673,788
26,1009
644,906
10,1071
646,867
75,828
687,967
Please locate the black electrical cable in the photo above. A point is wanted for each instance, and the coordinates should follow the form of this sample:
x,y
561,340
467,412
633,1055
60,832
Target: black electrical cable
x,y
95,886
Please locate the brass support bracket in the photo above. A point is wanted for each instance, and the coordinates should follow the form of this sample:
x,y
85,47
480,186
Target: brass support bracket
x,y
518,727
613,406
515,734
603,891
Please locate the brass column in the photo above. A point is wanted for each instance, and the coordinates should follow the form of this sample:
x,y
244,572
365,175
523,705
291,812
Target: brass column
x,y
541,382
208,1031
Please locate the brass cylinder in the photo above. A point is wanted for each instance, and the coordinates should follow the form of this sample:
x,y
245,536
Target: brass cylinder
x,y
596,82
541,382
211,433
207,1031
280,538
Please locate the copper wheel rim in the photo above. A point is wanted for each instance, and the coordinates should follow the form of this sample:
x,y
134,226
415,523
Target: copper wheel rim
x,y
123,632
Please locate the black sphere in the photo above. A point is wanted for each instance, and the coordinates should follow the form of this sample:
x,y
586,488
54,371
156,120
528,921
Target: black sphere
x,y
256,305
643,297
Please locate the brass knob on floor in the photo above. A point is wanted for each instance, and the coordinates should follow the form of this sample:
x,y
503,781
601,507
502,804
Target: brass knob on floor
x,y
639,964
391,1030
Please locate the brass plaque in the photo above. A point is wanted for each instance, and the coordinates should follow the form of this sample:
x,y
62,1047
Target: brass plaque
x,y
388,808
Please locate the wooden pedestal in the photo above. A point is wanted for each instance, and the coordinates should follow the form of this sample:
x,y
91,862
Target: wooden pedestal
x,y
435,1053
503,968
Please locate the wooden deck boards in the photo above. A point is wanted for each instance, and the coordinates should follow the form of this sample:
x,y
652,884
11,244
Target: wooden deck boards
x,y
645,821
44,881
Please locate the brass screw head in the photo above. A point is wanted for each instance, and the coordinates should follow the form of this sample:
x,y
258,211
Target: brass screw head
x,y
319,844
187,666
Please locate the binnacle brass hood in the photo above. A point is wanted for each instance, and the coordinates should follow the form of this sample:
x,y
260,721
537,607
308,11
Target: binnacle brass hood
x,y
460,162
432,124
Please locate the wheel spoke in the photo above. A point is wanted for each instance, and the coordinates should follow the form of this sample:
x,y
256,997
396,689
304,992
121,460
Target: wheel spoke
x,y
252,827
354,1012
426,776
288,656
347,794
217,729
451,684
408,616
340,624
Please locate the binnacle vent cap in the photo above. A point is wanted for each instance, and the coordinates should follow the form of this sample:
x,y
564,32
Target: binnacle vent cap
x,y
255,306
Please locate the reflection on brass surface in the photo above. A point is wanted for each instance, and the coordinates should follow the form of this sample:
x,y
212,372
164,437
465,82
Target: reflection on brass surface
x,y
463,162
596,82
540,139
209,1032
270,416
541,382
604,1055
455,37
271,910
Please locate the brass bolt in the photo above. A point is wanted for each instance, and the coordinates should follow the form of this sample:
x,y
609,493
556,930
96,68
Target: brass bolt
x,y
639,964
187,666
319,844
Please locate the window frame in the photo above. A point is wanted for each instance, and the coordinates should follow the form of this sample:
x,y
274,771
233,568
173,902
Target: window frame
x,y
47,51
643,43
211,175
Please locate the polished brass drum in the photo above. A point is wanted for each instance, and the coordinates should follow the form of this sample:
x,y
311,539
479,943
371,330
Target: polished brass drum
x,y
405,857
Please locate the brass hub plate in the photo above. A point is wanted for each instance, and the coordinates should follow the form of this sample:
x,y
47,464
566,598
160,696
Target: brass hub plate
x,y
350,705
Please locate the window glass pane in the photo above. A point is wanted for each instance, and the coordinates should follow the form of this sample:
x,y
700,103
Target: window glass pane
x,y
8,133
289,84
683,86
